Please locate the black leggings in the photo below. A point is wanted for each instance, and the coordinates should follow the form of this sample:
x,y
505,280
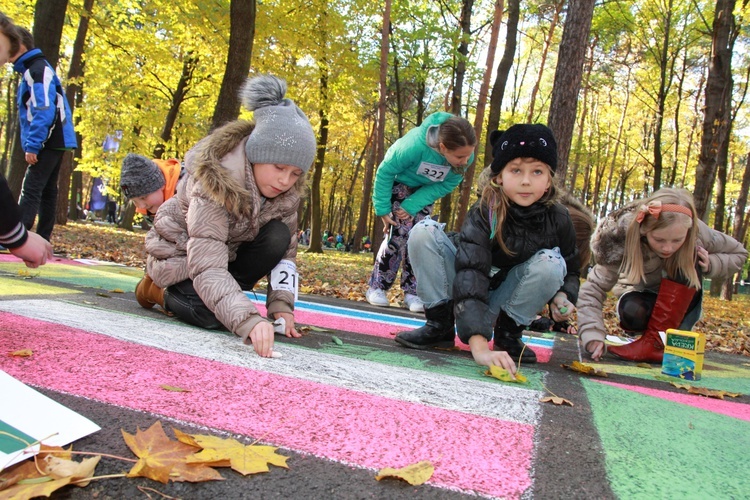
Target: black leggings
x,y
255,259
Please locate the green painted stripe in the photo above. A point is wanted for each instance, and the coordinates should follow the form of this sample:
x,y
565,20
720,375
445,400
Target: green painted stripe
x,y
717,376
452,363
103,277
661,449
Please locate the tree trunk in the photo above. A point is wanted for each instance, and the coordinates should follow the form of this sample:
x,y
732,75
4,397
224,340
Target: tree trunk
x,y
315,226
66,200
468,182
49,18
377,236
570,58
716,115
239,54
446,203
543,60
364,206
178,97
664,76
503,70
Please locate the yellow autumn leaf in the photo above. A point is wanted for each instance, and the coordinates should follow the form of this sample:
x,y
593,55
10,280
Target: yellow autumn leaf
x,y
504,375
579,367
116,290
172,388
245,459
163,459
22,353
702,391
414,474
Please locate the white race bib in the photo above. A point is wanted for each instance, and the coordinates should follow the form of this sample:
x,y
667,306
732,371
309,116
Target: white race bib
x,y
433,171
284,277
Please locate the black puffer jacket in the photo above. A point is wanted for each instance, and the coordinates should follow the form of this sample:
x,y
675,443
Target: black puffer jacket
x,y
526,231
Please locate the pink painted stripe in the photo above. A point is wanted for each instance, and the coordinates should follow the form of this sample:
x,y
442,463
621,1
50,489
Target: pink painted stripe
x,y
8,257
489,456
374,328
723,407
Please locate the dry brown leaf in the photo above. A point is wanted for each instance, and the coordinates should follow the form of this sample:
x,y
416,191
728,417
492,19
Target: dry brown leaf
x,y
702,391
24,481
22,353
163,459
579,367
60,468
245,459
414,474
556,400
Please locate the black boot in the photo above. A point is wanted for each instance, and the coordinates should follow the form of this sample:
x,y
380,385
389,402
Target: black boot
x,y
438,331
508,338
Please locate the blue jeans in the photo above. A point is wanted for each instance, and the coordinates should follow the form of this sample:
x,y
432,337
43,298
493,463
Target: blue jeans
x,y
525,292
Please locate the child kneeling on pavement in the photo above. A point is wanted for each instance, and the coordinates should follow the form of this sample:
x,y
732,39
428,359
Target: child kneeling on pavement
x,y
234,221
515,253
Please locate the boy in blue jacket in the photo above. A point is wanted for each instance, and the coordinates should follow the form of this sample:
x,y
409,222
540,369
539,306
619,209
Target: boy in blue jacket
x,y
46,126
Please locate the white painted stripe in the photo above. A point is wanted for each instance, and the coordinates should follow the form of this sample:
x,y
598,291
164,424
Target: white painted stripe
x,y
373,317
490,399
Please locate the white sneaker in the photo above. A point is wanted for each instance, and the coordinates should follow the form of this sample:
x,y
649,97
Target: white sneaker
x,y
413,303
377,297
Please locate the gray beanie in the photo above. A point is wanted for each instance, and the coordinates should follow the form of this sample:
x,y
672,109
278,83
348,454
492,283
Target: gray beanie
x,y
282,133
140,176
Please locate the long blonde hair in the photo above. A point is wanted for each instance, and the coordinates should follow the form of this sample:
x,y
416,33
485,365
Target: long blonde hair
x,y
682,262
494,205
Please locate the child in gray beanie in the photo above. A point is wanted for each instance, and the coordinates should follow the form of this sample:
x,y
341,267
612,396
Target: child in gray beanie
x,y
149,183
234,221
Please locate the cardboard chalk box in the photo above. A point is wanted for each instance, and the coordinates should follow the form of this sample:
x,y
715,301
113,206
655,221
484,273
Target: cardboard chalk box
x,y
683,354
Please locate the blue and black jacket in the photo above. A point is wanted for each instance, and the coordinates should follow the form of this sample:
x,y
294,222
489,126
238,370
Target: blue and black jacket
x,y
43,110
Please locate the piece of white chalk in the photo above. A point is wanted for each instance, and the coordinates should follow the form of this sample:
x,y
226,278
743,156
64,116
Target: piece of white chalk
x,y
276,354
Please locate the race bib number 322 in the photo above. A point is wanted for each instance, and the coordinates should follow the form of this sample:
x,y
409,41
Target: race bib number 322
x,y
284,277
433,171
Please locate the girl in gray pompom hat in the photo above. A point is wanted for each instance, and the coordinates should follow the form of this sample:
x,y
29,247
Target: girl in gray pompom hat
x,y
234,221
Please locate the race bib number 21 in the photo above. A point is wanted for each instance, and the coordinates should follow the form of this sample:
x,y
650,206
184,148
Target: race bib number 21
x,y
284,277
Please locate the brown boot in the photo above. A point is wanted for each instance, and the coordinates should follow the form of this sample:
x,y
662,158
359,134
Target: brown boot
x,y
670,308
147,293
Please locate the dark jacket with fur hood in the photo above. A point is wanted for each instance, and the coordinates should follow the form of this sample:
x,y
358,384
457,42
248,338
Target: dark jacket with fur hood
x,y
525,231
726,257
216,208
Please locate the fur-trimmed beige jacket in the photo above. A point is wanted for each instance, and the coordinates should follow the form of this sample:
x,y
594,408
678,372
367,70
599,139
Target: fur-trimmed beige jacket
x,y
726,256
217,207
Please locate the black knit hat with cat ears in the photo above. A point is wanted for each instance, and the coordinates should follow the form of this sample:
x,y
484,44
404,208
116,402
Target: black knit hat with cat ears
x,y
523,141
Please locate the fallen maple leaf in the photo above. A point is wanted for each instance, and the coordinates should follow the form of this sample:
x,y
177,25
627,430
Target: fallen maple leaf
x,y
702,391
163,459
22,353
579,367
556,400
504,375
245,459
414,474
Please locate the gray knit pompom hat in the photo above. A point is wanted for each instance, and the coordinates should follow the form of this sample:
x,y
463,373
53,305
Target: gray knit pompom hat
x,y
282,133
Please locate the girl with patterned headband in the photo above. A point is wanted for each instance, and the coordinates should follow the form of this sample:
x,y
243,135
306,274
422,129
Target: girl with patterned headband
x,y
652,255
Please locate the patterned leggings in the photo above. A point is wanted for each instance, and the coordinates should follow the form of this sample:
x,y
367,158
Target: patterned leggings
x,y
393,250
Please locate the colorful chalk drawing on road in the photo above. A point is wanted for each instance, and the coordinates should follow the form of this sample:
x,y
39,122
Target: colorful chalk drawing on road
x,y
341,386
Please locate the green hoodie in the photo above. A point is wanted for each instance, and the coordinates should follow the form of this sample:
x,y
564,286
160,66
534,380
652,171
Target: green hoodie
x,y
407,161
